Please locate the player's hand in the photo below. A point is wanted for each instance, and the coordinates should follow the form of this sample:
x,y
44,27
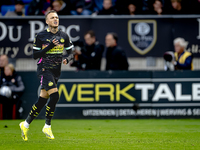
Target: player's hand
x,y
55,42
64,61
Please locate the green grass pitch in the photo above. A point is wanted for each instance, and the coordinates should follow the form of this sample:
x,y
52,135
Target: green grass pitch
x,y
133,134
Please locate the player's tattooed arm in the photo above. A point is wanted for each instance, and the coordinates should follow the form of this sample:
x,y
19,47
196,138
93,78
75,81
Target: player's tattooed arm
x,y
69,58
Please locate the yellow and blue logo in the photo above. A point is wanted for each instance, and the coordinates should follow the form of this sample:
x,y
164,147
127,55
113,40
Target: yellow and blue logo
x,y
62,40
50,83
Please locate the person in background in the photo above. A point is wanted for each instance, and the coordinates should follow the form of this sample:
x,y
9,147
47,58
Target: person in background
x,y
99,6
128,7
108,8
19,9
177,7
61,7
115,56
183,59
13,82
83,7
89,56
3,62
157,8
39,7
132,9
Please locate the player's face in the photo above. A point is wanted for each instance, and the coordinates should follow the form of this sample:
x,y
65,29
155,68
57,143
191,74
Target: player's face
x,y
89,40
110,41
52,20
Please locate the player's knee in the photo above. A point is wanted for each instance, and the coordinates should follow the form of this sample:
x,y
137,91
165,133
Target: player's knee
x,y
54,97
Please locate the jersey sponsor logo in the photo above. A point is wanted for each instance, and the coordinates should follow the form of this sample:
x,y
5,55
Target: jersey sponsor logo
x,y
55,50
142,35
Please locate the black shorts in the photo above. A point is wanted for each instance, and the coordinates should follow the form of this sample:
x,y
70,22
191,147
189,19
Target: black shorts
x,y
48,81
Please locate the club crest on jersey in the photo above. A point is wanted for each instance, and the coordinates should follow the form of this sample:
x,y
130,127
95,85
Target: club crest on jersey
x,y
142,35
50,83
62,40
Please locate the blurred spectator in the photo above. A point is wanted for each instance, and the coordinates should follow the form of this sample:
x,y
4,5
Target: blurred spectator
x,y
11,90
99,4
89,56
115,56
177,7
108,8
183,59
132,9
39,7
128,7
3,63
83,7
157,8
19,9
61,7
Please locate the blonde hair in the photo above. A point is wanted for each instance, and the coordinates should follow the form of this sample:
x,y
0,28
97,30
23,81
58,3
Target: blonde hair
x,y
11,66
181,41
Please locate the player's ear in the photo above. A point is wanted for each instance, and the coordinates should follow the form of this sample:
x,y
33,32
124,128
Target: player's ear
x,y
47,22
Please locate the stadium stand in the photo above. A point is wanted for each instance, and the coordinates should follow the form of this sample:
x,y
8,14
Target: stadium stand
x,y
6,8
144,7
26,1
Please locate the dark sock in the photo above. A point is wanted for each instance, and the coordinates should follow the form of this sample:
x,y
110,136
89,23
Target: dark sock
x,y
51,107
36,108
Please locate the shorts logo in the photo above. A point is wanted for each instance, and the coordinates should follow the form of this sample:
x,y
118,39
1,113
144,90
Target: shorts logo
x,y
50,83
142,35
62,40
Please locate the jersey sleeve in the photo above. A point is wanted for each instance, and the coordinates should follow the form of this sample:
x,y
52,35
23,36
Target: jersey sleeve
x,y
37,43
68,44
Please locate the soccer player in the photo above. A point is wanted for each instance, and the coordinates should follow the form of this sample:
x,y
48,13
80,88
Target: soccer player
x,y
48,46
